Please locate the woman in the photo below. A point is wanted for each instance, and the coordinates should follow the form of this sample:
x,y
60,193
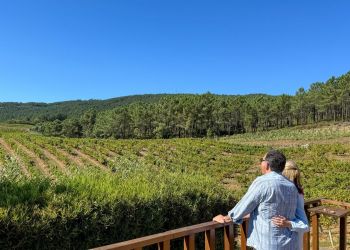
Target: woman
x,y
292,172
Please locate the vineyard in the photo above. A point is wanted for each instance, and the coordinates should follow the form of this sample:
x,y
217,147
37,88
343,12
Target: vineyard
x,y
79,193
39,156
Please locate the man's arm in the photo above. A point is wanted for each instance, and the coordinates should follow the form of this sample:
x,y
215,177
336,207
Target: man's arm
x,y
248,203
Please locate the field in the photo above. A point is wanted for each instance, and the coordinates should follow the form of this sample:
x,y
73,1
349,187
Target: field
x,y
79,193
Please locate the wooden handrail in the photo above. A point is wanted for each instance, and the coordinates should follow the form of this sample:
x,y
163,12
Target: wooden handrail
x,y
338,203
208,228
310,202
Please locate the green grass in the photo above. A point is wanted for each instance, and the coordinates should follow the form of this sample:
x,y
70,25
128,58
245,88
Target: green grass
x,y
15,127
88,209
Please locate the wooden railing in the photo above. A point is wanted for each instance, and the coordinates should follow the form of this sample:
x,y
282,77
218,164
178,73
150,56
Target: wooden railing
x,y
187,234
325,209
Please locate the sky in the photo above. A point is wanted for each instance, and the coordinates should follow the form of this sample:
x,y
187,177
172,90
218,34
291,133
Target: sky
x,y
57,50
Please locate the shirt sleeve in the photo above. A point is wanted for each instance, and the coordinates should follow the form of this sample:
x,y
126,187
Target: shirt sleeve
x,y
300,222
247,204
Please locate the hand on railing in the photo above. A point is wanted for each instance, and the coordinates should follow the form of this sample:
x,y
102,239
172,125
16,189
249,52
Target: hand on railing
x,y
222,219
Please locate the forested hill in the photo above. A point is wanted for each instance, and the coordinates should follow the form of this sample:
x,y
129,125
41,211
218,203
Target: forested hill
x,y
34,112
182,115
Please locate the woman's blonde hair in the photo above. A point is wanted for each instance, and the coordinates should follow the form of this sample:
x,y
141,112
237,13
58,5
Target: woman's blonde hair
x,y
292,172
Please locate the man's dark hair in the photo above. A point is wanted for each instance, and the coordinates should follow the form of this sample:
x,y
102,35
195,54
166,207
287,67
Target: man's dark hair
x,y
276,160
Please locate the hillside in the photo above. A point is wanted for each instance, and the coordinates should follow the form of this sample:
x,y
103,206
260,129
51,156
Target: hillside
x,y
33,112
185,115
303,135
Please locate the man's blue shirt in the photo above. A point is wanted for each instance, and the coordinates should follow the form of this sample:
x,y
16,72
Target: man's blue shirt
x,y
268,196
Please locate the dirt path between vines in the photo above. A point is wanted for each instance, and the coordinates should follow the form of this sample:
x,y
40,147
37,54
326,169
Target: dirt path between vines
x,y
90,159
74,159
38,162
58,163
10,151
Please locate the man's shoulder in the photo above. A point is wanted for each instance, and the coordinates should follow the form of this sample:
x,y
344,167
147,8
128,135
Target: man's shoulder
x,y
260,180
266,177
275,179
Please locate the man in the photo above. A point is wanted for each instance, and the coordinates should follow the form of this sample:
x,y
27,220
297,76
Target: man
x,y
269,195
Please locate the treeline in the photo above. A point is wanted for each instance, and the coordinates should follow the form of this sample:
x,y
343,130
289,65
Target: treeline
x,y
34,112
211,115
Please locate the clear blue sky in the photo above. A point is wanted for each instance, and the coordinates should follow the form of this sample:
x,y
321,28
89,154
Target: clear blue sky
x,y
55,50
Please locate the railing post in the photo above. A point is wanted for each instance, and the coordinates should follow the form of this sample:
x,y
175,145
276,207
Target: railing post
x,y
228,237
306,240
210,239
165,245
306,237
244,231
342,232
314,225
189,242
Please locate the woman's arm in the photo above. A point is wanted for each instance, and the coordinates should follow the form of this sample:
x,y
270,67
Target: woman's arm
x,y
299,223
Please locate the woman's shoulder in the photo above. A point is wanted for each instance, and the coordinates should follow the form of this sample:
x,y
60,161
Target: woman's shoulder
x,y
301,198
